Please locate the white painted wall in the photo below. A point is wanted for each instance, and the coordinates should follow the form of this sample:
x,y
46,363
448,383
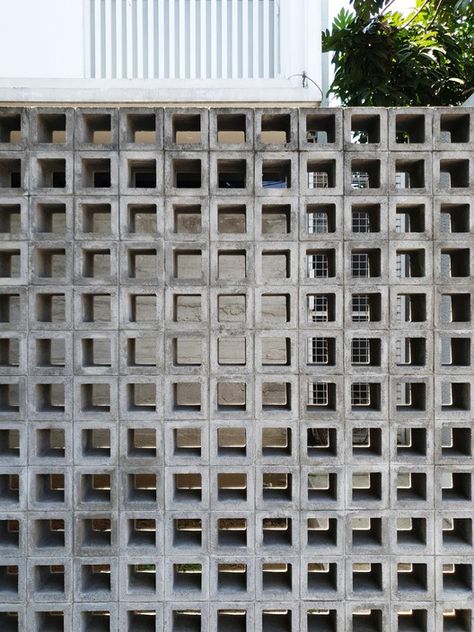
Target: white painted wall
x,y
41,38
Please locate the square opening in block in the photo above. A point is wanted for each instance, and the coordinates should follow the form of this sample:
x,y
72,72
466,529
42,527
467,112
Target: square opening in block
x,y
187,396
231,129
365,128
143,308
10,128
409,174
321,174
231,308
187,533
454,173
52,173
275,129
52,128
142,219
142,174
231,396
10,173
96,173
231,174
410,128
10,219
96,443
454,127
231,219
188,264
232,264
187,129
276,441
276,174
455,218
96,219
141,128
187,173
232,441
365,174
276,219
187,219
320,128
320,218
97,128
96,308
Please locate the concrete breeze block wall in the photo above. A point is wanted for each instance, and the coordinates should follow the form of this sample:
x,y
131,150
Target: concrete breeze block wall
x,y
236,383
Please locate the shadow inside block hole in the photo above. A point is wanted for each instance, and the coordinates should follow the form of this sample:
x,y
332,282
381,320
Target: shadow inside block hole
x,y
52,621
9,621
457,532
232,532
49,533
411,577
231,129
232,578
142,532
9,443
141,621
322,532
95,621
49,579
187,532
321,620
97,532
277,532
276,219
411,531
367,621
322,577
366,532
277,576
142,578
186,621
187,577
457,620
9,489
10,128
141,129
52,128
9,534
8,581
366,577
232,621
277,621
413,621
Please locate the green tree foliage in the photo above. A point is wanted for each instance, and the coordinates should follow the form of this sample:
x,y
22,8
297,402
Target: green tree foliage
x,y
383,58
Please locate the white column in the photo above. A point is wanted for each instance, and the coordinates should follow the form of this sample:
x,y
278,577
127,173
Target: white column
x,y
224,46
213,39
236,42
161,40
182,43
256,42
172,40
266,38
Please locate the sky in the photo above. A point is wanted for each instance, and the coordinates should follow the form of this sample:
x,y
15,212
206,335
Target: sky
x,y
399,5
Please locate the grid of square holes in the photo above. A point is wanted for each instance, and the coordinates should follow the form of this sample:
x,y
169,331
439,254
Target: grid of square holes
x,y
236,370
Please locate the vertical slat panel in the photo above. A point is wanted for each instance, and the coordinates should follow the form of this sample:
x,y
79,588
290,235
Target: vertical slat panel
x,y
91,43
204,36
113,37
182,43
255,39
171,31
224,41
108,38
155,40
213,39
150,39
245,39
192,39
161,39
138,35
97,42
236,41
266,39
129,41
276,38
143,39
